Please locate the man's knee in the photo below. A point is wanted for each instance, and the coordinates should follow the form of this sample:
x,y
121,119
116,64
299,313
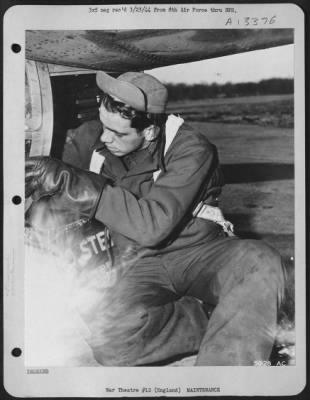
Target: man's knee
x,y
264,257
266,263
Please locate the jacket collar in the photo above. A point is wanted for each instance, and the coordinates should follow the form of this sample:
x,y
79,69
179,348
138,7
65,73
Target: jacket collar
x,y
136,163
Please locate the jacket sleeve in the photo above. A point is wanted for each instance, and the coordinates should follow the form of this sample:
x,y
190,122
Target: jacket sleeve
x,y
80,143
150,219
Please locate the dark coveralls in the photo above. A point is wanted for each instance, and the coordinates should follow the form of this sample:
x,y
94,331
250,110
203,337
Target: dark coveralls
x,y
154,312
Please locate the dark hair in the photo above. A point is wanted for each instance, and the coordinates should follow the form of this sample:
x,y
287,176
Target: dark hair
x,y
139,119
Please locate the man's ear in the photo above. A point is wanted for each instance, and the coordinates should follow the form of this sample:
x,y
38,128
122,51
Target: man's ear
x,y
151,132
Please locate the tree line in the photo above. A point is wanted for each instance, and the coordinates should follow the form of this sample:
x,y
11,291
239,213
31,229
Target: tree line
x,y
201,90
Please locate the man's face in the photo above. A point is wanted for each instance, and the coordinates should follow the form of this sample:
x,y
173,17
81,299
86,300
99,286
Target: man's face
x,y
118,135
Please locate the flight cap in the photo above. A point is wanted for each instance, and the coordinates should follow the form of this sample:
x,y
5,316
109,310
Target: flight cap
x,y
141,91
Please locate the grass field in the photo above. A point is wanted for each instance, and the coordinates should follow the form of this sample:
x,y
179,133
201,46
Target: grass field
x,y
273,110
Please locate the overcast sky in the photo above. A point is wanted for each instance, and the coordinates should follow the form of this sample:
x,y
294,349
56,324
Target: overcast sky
x,y
253,66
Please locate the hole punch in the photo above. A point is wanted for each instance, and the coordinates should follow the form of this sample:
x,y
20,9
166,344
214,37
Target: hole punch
x,y
16,352
16,48
16,200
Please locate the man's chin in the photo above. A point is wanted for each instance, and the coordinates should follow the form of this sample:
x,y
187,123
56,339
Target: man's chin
x,y
116,153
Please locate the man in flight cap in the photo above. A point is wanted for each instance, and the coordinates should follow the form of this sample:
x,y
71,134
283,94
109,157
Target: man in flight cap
x,y
154,182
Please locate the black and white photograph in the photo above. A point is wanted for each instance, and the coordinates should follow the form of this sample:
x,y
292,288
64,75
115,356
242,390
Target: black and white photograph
x,y
154,172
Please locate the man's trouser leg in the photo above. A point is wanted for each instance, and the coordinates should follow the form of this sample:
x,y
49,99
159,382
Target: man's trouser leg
x,y
244,279
141,320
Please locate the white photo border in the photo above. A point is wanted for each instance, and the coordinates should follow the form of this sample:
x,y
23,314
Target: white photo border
x,y
89,381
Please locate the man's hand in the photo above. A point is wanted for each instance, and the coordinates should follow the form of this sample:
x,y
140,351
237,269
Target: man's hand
x,y
73,188
42,176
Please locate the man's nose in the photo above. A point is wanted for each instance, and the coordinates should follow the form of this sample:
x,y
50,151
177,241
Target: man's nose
x,y
107,136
